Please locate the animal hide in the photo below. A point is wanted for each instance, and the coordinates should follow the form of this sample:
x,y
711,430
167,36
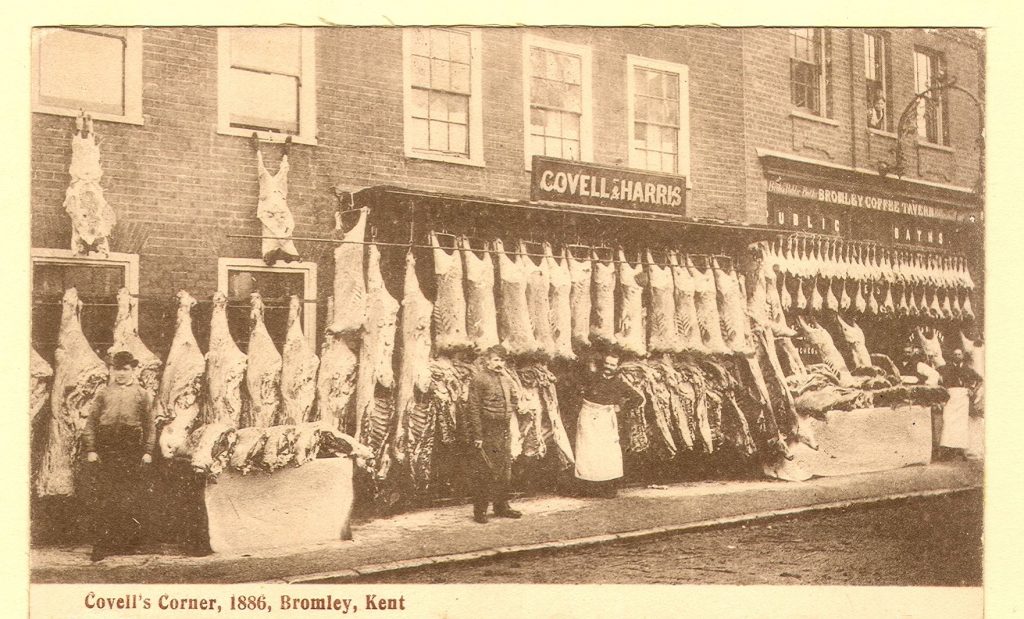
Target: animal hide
x,y
225,369
298,370
77,376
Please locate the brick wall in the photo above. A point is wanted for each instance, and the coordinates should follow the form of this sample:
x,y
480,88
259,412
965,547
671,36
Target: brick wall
x,y
769,123
179,187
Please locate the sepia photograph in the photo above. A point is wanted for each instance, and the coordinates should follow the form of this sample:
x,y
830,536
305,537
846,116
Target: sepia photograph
x,y
455,304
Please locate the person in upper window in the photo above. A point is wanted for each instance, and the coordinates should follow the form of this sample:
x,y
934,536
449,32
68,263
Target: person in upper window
x,y
876,114
119,438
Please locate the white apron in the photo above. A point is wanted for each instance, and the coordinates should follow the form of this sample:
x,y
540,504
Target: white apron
x,y
598,455
954,419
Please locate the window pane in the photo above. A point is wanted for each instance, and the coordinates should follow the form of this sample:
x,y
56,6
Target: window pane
x,y
641,111
261,100
277,50
553,147
438,109
571,150
78,69
419,103
571,126
275,288
573,98
672,112
669,140
420,134
420,71
457,141
552,68
672,86
537,145
640,134
458,109
438,136
553,126
460,47
668,163
460,77
537,62
439,44
641,158
537,121
439,76
571,69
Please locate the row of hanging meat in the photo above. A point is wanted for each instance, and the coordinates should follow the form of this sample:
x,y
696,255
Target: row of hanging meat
x,y
222,408
823,274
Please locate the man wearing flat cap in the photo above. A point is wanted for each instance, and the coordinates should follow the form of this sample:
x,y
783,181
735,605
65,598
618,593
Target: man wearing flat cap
x,y
492,403
119,438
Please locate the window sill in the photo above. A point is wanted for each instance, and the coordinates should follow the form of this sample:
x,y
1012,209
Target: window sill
x,y
267,136
939,147
475,163
129,119
884,134
814,118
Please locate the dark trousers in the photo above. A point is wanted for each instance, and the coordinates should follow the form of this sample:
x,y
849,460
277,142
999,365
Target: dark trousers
x,y
120,485
491,468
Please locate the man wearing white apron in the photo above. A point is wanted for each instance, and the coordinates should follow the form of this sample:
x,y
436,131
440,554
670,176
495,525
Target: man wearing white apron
x,y
961,382
598,453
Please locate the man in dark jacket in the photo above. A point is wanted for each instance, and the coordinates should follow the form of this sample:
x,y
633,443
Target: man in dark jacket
x,y
492,403
119,438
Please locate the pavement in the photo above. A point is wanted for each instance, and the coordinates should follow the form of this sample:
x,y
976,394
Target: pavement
x,y
449,534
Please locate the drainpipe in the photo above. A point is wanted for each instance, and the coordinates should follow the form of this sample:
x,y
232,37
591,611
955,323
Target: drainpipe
x,y
853,114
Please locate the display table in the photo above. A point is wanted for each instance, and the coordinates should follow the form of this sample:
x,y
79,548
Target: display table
x,y
289,507
866,440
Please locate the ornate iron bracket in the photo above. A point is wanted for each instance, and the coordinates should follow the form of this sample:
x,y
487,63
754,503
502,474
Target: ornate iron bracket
x,y
943,83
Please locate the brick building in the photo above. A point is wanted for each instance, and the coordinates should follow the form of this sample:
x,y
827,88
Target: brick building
x,y
749,117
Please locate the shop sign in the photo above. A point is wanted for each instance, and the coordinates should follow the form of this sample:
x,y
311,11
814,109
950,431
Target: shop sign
x,y
860,200
558,180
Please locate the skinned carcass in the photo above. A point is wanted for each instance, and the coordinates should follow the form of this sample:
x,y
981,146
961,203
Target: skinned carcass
x,y
706,302
662,336
77,376
602,316
414,366
732,305
209,447
225,369
378,345
126,337
178,399
538,302
449,315
40,377
298,370
683,289
820,339
853,335
580,271
247,451
263,373
629,332
788,352
336,379
349,282
931,345
281,447
560,303
92,218
515,325
481,310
